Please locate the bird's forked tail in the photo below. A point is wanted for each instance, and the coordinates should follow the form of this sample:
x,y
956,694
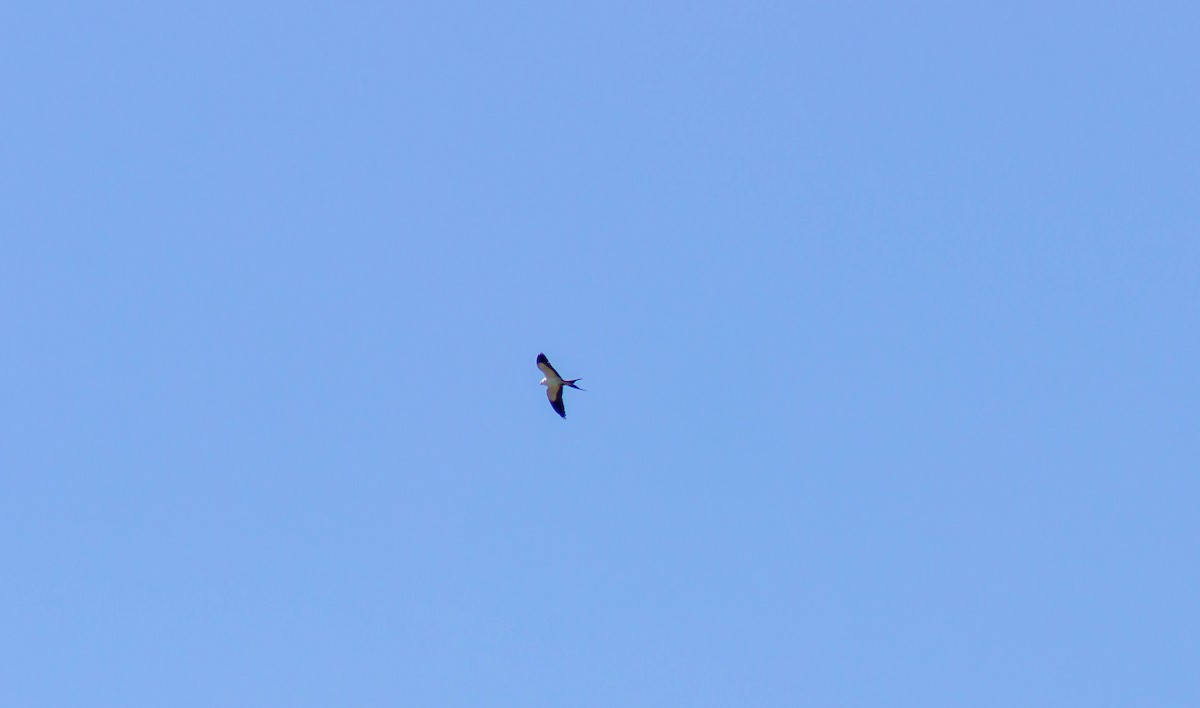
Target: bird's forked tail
x,y
571,383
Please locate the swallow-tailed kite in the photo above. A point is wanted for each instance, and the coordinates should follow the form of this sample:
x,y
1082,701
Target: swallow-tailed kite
x,y
554,385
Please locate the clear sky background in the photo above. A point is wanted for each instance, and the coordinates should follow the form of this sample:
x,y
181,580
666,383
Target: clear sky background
x,y
889,316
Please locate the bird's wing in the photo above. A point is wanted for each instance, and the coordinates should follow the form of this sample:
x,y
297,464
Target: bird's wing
x,y
554,393
544,364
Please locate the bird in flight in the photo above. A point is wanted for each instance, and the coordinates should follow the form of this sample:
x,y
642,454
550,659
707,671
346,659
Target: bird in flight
x,y
554,385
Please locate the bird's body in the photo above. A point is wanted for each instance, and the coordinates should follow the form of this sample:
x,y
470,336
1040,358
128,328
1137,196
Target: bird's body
x,y
554,385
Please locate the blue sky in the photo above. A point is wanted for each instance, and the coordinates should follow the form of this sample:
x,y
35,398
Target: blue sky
x,y
887,312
